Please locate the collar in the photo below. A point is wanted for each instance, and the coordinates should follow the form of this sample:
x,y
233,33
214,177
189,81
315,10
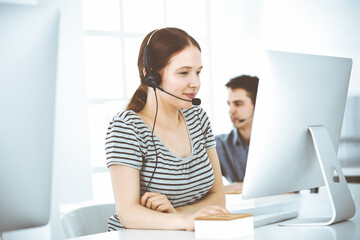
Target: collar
x,y
237,139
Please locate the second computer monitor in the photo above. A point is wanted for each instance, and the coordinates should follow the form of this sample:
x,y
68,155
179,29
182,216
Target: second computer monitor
x,y
295,91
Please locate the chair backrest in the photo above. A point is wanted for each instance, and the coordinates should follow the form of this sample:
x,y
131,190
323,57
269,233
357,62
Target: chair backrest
x,y
87,220
348,153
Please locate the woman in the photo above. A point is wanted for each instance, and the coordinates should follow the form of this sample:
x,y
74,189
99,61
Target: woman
x,y
161,151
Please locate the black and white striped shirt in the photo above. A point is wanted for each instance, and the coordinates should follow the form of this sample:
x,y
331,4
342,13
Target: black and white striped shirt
x,y
183,180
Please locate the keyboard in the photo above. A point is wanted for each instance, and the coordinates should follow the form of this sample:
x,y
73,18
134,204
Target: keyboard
x,y
265,219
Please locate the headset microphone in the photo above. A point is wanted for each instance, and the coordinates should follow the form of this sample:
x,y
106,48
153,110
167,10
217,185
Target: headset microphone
x,y
194,101
244,119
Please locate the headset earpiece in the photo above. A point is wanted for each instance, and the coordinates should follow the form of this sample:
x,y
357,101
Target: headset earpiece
x,y
152,78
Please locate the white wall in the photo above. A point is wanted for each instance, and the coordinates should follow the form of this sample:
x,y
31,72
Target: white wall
x,y
325,27
234,39
242,28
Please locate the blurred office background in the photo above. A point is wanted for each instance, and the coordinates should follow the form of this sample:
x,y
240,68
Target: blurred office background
x,y
97,70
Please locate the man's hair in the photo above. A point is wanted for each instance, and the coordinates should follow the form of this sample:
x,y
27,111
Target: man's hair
x,y
248,83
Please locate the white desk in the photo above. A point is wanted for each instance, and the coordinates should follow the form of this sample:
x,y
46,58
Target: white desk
x,y
306,204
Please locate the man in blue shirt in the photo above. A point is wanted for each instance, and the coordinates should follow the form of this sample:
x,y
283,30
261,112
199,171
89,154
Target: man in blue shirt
x,y
233,148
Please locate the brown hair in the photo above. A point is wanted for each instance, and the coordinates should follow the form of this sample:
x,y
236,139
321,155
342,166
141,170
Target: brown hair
x,y
165,43
248,83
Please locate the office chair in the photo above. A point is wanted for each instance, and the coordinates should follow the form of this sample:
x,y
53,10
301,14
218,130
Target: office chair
x,y
87,220
348,153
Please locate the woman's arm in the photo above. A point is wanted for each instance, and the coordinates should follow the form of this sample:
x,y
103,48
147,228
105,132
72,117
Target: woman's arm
x,y
216,195
126,187
235,187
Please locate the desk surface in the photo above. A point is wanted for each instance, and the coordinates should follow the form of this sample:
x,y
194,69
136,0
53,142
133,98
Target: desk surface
x,y
306,204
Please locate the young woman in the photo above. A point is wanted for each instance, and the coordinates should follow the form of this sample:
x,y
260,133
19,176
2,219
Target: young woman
x,y
161,151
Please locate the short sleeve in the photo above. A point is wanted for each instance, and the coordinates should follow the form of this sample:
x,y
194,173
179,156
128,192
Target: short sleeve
x,y
206,129
122,144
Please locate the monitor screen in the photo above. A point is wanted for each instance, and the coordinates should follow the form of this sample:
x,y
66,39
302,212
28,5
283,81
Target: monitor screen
x,y
28,57
296,91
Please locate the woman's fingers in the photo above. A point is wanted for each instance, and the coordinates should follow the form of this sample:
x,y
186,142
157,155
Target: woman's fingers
x,y
157,202
202,213
220,209
211,210
146,197
154,202
162,208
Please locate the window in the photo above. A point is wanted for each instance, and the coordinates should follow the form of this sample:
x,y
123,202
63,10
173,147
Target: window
x,y
114,30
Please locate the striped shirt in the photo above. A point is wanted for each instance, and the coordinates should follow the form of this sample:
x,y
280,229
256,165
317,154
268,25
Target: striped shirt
x,y
183,180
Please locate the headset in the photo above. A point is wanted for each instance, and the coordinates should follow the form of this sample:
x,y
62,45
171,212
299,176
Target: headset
x,y
153,80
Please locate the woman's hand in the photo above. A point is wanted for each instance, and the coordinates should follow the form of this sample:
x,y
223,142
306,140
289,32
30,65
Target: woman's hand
x,y
157,202
190,219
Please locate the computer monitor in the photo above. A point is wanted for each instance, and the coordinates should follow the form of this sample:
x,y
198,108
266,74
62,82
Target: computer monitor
x,y
28,60
296,129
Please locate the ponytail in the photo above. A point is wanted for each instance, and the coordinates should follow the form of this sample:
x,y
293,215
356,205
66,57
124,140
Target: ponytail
x,y
138,100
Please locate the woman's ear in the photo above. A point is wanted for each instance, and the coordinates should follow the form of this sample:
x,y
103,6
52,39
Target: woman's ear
x,y
144,72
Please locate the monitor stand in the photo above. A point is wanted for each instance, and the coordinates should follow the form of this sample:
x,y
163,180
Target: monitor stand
x,y
342,203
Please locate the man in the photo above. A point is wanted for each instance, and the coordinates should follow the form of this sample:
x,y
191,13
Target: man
x,y
233,148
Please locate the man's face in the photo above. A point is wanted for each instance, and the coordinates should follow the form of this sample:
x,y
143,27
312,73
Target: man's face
x,y
240,107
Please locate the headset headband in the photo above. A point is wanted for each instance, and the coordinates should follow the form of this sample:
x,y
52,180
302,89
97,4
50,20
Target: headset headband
x,y
145,60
